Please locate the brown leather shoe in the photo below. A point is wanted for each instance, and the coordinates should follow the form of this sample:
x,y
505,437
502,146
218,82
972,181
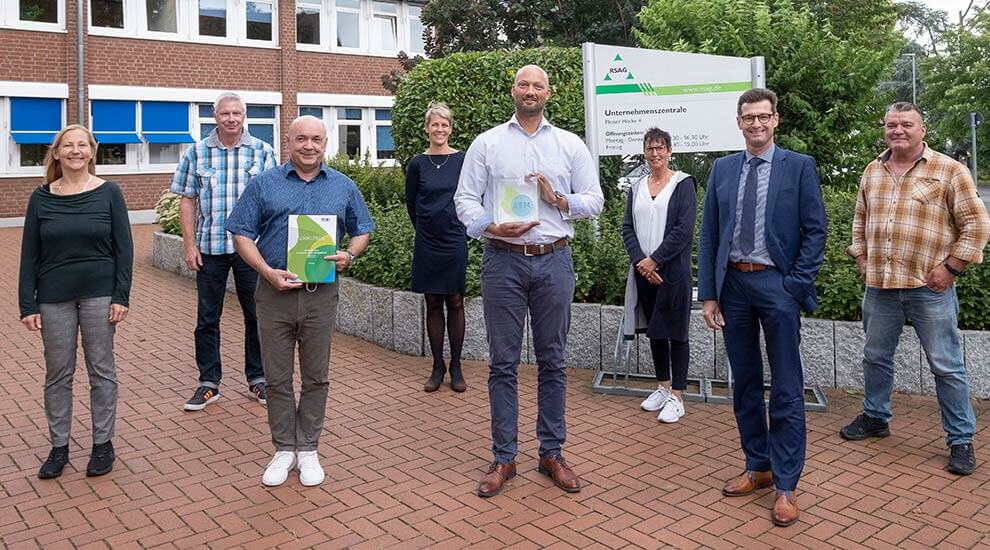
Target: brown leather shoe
x,y
785,509
746,483
561,474
492,482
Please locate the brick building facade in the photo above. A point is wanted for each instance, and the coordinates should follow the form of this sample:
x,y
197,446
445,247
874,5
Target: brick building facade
x,y
152,68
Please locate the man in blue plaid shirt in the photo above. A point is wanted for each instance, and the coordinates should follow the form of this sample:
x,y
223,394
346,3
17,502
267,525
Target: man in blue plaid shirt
x,y
211,177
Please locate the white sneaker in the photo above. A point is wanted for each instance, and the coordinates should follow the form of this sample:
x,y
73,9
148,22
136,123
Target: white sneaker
x,y
656,399
672,410
310,471
278,469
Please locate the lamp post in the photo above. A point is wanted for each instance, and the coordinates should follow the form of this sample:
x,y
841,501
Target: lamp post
x,y
914,76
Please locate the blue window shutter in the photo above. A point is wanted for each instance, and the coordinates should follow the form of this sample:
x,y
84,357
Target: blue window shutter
x,y
165,122
35,120
115,121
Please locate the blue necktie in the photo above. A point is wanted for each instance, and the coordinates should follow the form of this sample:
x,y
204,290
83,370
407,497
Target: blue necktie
x,y
747,226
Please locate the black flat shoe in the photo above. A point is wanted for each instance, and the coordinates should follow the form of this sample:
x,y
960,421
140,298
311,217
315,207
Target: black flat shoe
x,y
57,459
101,460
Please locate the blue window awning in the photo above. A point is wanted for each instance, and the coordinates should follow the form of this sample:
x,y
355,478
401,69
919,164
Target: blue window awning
x,y
35,120
167,137
31,138
111,138
114,116
165,122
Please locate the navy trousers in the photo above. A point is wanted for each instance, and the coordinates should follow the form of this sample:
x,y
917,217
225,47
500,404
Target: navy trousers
x,y
511,284
211,288
749,302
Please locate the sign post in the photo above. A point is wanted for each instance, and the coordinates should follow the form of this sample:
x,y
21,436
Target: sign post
x,y
692,96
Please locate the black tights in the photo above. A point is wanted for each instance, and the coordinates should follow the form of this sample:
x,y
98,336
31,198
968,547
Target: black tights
x,y
454,322
671,357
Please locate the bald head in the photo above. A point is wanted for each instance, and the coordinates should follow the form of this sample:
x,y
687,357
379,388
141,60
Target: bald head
x,y
307,143
530,72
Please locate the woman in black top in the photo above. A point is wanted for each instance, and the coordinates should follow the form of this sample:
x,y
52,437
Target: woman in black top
x,y
76,262
440,254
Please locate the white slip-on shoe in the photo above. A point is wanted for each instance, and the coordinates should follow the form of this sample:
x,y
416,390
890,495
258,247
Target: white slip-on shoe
x,y
672,410
656,399
310,471
277,470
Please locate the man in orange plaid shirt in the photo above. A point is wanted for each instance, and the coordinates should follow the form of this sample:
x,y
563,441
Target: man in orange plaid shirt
x,y
919,222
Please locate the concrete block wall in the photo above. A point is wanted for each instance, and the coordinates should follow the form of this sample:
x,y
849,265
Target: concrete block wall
x,y
831,351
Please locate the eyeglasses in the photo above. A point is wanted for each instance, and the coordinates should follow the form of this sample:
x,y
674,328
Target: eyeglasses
x,y
751,119
655,149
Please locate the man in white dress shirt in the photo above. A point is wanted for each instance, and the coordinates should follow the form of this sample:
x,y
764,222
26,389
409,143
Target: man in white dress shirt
x,y
527,266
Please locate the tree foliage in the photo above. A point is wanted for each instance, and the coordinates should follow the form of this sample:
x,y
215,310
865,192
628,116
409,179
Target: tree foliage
x,y
479,25
825,73
957,83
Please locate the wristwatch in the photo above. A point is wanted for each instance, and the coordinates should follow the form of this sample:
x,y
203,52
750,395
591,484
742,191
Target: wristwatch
x,y
558,196
955,272
353,257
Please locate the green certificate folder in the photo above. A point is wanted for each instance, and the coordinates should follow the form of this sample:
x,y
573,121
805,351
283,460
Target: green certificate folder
x,y
311,237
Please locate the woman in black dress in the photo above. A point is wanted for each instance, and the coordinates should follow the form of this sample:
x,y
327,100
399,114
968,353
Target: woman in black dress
x,y
440,254
76,262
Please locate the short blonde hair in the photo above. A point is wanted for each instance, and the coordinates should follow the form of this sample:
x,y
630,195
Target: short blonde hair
x,y
53,168
441,110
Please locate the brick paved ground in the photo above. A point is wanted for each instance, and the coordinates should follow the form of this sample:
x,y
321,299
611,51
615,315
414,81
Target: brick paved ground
x,y
403,465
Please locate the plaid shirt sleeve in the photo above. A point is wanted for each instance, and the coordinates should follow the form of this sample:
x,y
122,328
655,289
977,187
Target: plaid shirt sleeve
x,y
268,157
970,215
185,182
858,246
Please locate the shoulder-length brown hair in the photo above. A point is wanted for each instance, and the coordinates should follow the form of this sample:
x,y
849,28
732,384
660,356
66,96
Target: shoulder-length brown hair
x,y
53,168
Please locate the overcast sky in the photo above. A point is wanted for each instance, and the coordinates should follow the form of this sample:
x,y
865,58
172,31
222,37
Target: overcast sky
x,y
952,6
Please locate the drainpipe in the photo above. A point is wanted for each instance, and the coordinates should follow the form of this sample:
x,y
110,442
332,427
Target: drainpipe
x,y
80,65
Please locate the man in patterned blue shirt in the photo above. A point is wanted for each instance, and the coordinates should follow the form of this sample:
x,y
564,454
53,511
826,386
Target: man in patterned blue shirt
x,y
211,177
291,315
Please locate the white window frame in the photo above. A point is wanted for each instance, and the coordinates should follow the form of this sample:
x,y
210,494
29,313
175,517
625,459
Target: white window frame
x,y
331,102
138,154
187,24
366,15
10,152
10,16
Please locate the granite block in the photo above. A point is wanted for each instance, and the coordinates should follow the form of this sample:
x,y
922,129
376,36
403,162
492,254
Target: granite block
x,y
611,324
380,303
702,341
475,333
976,347
848,340
584,339
818,352
408,311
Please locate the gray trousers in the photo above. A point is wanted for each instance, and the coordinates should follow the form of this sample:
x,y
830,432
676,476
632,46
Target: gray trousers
x,y
285,318
511,284
61,323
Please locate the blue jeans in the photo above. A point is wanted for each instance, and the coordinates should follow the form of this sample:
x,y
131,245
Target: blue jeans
x,y
211,288
512,285
933,315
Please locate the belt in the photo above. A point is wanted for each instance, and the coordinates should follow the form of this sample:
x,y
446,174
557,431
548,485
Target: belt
x,y
749,267
530,249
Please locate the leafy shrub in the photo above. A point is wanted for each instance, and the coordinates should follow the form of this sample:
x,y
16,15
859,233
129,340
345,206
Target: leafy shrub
x,y
378,184
167,212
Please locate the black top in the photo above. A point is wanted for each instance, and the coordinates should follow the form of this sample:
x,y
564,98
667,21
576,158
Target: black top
x,y
671,314
75,246
440,251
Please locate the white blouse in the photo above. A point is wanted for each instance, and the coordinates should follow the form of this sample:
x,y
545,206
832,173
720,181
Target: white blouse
x,y
650,213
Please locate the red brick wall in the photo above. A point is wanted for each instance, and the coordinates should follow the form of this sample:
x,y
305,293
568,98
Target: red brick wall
x,y
51,57
141,191
32,56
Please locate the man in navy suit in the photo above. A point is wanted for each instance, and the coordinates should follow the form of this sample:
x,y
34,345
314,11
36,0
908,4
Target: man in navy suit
x,y
762,243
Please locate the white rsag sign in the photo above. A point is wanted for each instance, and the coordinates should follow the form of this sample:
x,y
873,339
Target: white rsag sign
x,y
692,96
